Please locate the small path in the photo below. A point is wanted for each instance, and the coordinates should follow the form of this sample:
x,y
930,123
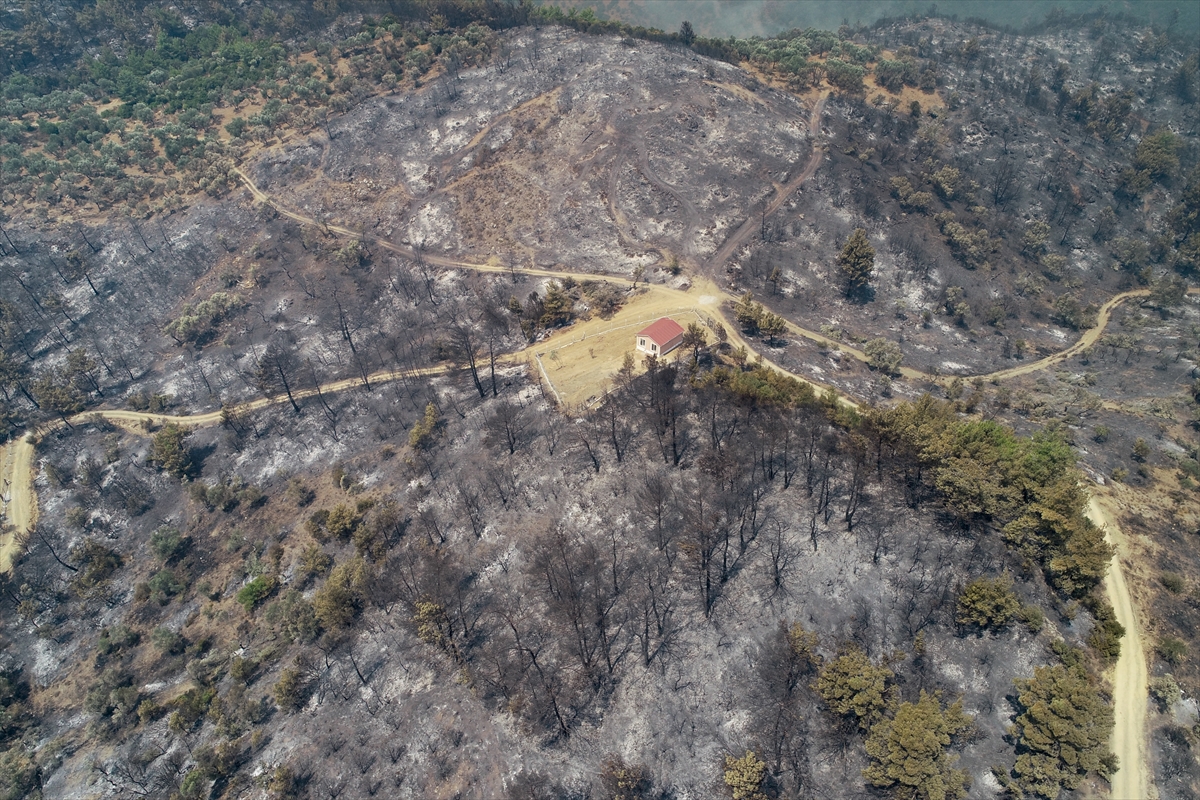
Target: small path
x,y
738,237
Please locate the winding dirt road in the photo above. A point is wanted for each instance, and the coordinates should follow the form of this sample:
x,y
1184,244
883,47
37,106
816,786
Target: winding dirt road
x,y
1132,781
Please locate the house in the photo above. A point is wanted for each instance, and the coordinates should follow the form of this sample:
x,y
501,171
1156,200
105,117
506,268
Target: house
x,y
660,338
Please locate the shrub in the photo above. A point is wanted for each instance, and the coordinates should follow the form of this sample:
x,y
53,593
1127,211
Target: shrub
x,y
988,603
291,691
299,493
196,324
294,617
168,641
77,517
313,562
112,695
19,775
163,586
1173,582
1172,650
1165,691
98,563
256,591
883,355
167,542
1033,618
342,522
116,638
1105,638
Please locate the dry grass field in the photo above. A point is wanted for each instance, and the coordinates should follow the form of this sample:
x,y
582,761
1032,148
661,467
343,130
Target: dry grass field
x,y
579,361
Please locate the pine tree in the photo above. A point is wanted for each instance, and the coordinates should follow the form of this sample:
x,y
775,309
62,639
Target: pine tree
x,y
908,752
857,261
1062,732
854,687
744,776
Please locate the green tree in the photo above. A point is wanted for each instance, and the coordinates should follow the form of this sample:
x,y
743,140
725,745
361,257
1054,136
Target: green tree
x,y
236,126
58,397
745,776
988,603
291,691
908,751
694,339
169,450
1172,650
854,687
1167,291
1062,731
883,355
422,435
857,261
772,325
1033,241
338,602
748,313
686,33
1157,154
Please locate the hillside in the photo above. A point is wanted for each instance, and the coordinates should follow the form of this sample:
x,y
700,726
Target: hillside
x,y
315,354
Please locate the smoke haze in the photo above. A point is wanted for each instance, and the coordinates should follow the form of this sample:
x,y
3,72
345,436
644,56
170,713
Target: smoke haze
x,y
768,17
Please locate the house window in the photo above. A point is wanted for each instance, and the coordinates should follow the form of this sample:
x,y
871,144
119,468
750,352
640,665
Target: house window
x,y
654,347
642,342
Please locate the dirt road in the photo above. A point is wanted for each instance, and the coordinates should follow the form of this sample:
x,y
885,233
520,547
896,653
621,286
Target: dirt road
x,y
19,504
1132,781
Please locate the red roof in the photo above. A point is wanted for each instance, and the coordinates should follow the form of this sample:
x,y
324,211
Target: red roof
x,y
662,331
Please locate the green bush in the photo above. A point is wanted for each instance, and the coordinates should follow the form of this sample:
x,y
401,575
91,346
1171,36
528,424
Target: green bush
x,y
1172,650
294,617
168,641
163,586
1165,691
1033,618
256,591
1173,582
167,542
988,603
116,638
19,775
291,691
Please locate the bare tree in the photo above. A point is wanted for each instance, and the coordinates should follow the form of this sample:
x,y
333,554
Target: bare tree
x,y
275,372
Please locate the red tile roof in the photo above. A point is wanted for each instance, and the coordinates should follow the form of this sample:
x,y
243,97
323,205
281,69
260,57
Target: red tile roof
x,y
662,331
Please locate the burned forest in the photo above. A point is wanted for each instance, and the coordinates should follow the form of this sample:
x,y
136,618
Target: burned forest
x,y
342,457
